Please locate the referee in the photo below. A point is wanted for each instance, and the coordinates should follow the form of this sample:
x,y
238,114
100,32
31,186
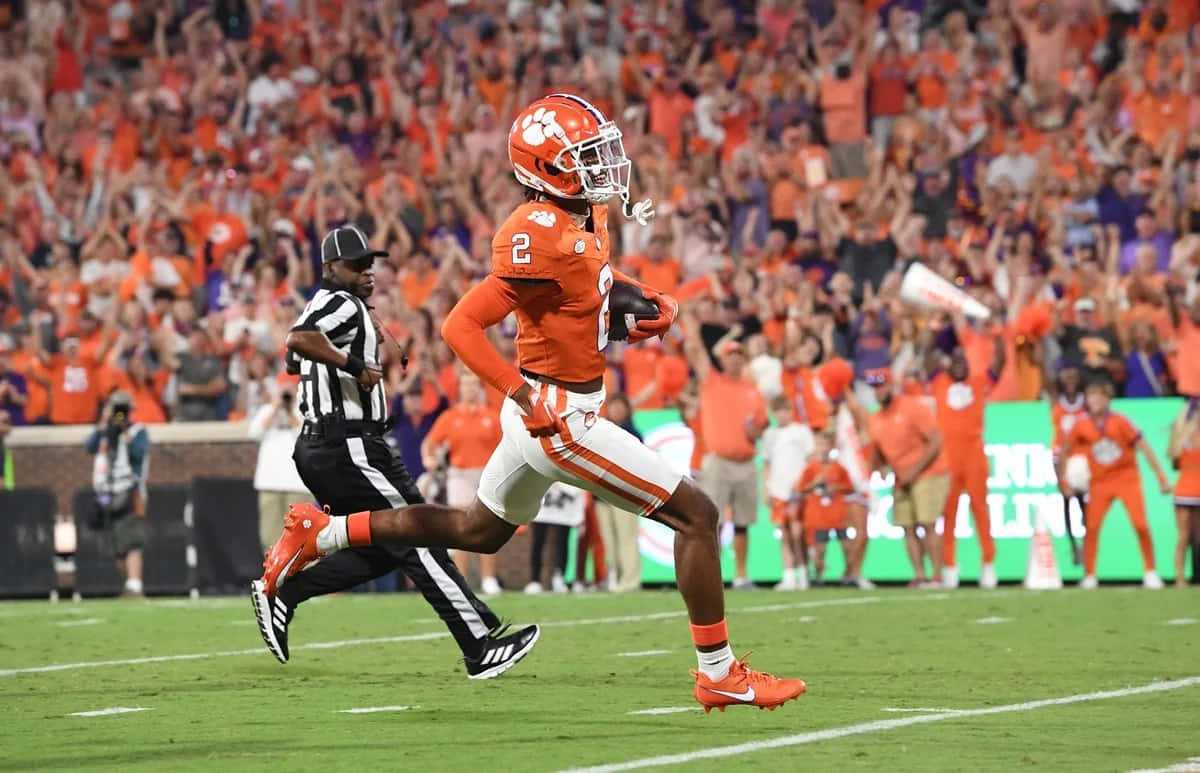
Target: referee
x,y
345,462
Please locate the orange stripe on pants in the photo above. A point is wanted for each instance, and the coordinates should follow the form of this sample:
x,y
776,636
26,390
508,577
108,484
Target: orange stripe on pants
x,y
970,477
1127,489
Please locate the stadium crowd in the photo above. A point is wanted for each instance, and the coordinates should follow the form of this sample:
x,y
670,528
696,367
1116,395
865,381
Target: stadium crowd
x,y
168,169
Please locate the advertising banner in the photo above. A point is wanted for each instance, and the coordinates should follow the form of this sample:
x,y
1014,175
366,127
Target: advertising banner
x,y
1022,480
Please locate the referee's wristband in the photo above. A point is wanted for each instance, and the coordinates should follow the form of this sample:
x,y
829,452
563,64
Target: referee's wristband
x,y
354,365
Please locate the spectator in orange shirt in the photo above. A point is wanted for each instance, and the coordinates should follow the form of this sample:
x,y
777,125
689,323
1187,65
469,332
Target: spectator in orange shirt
x,y
733,415
822,491
906,438
657,267
74,384
1110,442
465,435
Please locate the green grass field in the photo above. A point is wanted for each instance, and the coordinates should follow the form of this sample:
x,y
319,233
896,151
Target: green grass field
x,y
225,704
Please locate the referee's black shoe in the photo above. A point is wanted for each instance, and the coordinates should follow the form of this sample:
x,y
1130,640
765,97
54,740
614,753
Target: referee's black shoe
x,y
501,651
273,619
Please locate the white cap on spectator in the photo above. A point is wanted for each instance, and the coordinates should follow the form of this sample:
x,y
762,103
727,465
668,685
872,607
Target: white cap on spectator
x,y
1085,304
303,164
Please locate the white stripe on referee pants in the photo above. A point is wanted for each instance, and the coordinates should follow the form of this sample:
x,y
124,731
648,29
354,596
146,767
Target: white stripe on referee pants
x,y
475,624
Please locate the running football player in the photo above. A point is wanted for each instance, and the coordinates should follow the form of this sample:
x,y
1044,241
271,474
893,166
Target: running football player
x,y
550,265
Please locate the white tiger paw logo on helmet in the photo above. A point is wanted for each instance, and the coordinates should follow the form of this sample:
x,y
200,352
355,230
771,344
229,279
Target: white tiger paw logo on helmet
x,y
542,124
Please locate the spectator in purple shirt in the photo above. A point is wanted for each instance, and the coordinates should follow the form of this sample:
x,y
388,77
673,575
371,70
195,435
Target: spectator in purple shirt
x,y
14,392
871,338
413,423
1119,205
1148,234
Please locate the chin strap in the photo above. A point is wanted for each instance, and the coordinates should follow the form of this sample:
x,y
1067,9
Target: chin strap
x,y
642,212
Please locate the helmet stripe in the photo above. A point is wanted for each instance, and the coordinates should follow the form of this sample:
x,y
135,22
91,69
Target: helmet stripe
x,y
585,105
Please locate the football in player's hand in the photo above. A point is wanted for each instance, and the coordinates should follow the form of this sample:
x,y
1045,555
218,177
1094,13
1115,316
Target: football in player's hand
x,y
626,305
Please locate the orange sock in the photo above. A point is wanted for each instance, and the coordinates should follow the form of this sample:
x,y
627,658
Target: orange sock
x,y
710,635
358,528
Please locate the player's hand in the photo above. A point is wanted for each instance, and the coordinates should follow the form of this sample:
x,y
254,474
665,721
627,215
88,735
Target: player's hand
x,y
370,376
668,309
540,417
643,212
1164,485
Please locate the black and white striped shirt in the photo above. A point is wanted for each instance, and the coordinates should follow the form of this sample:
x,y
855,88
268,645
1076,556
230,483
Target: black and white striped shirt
x,y
326,391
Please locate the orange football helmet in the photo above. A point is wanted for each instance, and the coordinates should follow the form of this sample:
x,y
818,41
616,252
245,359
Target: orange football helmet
x,y
563,145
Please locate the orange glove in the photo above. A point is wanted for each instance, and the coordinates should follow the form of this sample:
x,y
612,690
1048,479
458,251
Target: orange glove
x,y
542,420
668,309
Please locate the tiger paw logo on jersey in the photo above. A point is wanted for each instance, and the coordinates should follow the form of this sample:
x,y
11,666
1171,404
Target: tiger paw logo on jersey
x,y
543,218
959,395
1106,451
539,126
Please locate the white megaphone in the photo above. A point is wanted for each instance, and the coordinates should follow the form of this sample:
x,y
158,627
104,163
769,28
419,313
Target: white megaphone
x,y
922,287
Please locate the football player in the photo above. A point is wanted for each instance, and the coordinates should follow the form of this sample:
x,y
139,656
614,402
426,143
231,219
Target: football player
x,y
550,266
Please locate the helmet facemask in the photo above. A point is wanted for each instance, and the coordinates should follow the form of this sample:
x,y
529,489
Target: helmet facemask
x,y
601,164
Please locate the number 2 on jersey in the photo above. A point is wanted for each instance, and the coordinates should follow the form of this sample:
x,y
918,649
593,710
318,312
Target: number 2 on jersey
x,y
520,249
604,283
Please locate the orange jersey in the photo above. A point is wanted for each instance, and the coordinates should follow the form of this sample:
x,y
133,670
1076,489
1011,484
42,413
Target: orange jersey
x,y
1063,415
960,412
562,333
471,432
825,505
1110,443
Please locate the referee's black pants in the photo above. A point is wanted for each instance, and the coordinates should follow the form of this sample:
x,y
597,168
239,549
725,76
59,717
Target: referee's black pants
x,y
362,473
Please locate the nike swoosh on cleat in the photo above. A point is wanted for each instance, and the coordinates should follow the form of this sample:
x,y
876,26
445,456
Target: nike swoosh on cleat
x,y
737,696
286,567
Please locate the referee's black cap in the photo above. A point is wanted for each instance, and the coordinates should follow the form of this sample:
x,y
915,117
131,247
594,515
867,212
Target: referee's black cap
x,y
347,243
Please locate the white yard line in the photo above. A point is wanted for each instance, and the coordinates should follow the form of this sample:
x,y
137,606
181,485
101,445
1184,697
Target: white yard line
x,y
1191,766
992,620
896,710
107,712
642,653
1182,621
880,726
850,601
84,621
667,710
377,709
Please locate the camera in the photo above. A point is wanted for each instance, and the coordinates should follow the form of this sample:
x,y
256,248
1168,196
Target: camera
x,y
120,407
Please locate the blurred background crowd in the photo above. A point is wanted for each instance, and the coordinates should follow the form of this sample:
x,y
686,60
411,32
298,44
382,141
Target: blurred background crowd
x,y
168,168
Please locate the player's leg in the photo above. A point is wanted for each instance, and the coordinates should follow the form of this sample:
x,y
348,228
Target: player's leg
x,y
1183,542
1099,500
1135,505
958,479
599,456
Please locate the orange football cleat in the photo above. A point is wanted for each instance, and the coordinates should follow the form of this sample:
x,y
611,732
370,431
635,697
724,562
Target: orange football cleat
x,y
745,687
296,548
